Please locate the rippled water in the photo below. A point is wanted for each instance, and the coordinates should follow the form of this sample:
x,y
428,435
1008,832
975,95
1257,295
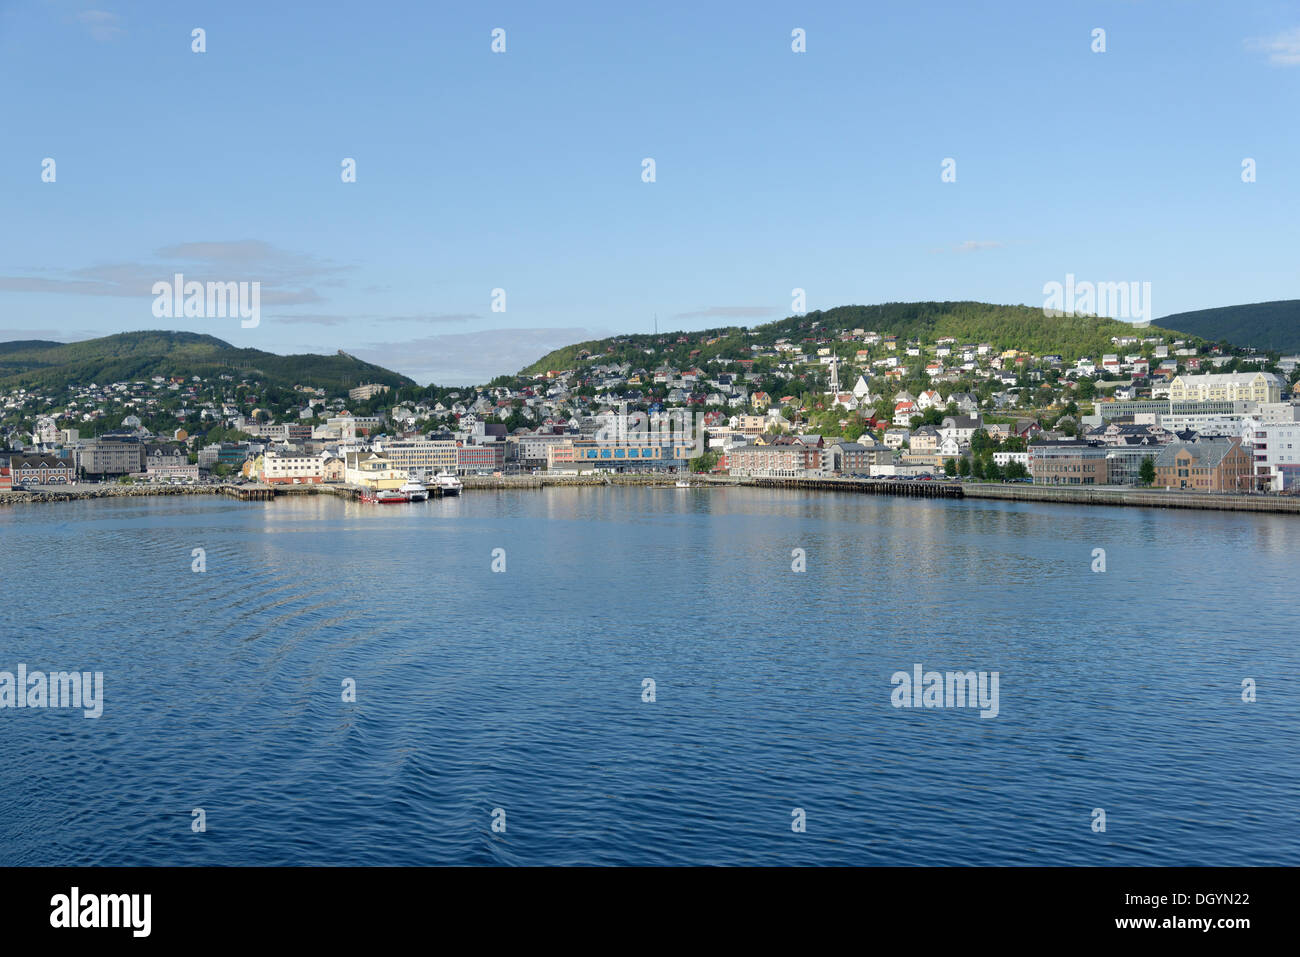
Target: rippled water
x,y
522,690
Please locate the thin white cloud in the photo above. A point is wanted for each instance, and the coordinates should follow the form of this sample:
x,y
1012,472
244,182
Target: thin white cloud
x,y
1283,49
325,319
287,278
104,27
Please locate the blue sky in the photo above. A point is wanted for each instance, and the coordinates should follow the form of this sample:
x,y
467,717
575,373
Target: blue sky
x,y
523,170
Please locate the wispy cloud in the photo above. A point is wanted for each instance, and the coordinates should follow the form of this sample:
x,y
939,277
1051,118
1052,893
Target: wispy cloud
x,y
104,27
287,278
1283,48
730,312
323,319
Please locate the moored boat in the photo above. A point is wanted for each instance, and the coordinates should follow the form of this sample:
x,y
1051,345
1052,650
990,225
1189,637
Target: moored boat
x,y
447,483
414,491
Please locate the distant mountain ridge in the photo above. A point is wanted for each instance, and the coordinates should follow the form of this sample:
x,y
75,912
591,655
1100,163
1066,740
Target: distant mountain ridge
x,y
1269,326
130,356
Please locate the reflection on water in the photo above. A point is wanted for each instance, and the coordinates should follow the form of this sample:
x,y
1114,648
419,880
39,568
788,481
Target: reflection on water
x,y
522,690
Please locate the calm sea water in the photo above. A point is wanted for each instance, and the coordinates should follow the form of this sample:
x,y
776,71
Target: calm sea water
x,y
522,690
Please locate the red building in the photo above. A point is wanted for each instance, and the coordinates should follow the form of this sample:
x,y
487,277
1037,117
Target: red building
x,y
40,470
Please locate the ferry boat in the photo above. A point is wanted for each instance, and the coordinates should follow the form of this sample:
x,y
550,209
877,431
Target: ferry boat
x,y
388,496
414,491
447,483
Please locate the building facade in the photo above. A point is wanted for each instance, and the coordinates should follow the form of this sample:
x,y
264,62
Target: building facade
x,y
1208,465
1068,463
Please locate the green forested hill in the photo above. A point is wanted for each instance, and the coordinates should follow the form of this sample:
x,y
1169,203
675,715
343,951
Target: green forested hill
x,y
1006,327
1270,326
138,355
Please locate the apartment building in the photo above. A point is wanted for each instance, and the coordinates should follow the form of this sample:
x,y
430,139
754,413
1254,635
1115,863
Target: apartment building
x,y
1276,453
368,391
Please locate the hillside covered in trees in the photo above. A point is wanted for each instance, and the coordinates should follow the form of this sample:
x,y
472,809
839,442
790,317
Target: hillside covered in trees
x,y
1270,326
138,355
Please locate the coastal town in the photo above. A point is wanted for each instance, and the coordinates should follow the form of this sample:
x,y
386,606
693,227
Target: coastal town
x,y
1156,411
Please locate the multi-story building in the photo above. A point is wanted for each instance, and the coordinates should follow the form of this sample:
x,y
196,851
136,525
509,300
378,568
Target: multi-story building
x,y
767,461
1207,465
532,451
1124,462
168,461
631,455
110,455
480,458
427,456
232,454
1068,462
1227,387
363,392
290,468
40,470
561,457
1276,454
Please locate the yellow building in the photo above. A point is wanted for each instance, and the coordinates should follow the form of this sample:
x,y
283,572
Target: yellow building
x,y
373,471
1226,387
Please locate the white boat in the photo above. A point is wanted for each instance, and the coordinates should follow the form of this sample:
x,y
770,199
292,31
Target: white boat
x,y
415,491
682,484
447,483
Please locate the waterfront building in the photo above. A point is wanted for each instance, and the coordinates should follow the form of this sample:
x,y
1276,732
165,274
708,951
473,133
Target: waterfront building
x,y
290,468
428,456
168,461
1276,453
560,457
1068,462
1124,462
45,469
480,458
110,456
633,455
1207,465
767,461
372,471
